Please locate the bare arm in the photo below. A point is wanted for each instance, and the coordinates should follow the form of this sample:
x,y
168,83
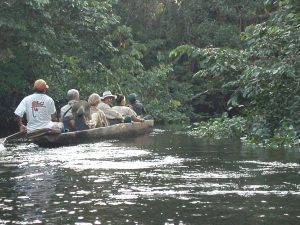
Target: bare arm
x,y
54,117
22,127
135,119
105,121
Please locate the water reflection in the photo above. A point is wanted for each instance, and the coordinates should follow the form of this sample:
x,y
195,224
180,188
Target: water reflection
x,y
163,178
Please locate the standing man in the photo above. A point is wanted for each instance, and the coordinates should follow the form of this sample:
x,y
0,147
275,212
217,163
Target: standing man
x,y
39,109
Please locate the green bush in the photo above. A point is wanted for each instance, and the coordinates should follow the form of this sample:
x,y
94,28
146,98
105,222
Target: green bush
x,y
222,127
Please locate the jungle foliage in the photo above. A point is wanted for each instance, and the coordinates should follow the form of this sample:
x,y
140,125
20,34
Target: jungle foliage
x,y
78,44
261,80
233,64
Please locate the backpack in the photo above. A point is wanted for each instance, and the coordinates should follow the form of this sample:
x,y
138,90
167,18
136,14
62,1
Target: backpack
x,y
81,115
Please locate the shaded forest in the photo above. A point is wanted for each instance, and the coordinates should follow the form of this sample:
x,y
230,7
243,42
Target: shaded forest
x,y
229,67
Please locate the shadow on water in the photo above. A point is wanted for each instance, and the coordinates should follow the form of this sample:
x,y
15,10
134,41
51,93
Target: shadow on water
x,y
166,177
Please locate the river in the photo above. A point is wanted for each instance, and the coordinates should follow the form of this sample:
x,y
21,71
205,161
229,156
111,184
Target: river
x,y
164,178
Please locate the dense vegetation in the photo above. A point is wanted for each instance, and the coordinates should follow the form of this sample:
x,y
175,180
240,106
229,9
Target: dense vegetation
x,y
260,79
230,66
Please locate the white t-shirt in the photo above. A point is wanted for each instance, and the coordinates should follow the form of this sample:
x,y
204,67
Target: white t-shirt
x,y
38,108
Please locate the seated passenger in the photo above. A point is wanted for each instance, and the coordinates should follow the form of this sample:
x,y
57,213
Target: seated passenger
x,y
112,116
125,111
81,114
98,118
39,109
136,105
66,115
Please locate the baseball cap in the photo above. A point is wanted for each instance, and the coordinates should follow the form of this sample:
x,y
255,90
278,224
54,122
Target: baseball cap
x,y
40,85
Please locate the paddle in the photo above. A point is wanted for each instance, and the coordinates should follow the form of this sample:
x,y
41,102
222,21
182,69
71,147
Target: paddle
x,y
4,140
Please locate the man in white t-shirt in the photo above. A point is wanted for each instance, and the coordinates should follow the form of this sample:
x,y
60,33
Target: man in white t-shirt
x,y
39,109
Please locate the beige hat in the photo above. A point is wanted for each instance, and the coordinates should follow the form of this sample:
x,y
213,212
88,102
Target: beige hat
x,y
107,94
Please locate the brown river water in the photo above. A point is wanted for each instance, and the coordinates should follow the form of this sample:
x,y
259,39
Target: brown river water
x,y
163,178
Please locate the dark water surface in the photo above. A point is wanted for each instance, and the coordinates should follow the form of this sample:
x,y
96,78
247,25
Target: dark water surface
x,y
165,178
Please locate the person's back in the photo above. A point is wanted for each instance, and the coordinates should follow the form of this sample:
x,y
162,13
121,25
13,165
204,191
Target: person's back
x,y
39,109
124,110
135,105
66,110
66,115
138,108
98,118
128,114
81,115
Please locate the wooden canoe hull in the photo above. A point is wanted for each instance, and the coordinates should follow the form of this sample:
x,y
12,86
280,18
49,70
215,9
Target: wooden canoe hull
x,y
93,135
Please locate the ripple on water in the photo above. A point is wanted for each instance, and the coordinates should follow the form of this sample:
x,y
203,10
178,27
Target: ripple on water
x,y
127,163
106,156
2,148
102,155
272,164
99,155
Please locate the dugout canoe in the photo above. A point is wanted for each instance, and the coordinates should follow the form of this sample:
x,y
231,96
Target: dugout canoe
x,y
117,131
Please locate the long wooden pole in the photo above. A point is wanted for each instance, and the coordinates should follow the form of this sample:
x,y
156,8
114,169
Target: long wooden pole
x,y
10,137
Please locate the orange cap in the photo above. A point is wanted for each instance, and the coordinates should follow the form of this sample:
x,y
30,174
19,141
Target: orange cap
x,y
40,85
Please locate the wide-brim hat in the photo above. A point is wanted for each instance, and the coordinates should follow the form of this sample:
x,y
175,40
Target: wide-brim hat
x,y
107,94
